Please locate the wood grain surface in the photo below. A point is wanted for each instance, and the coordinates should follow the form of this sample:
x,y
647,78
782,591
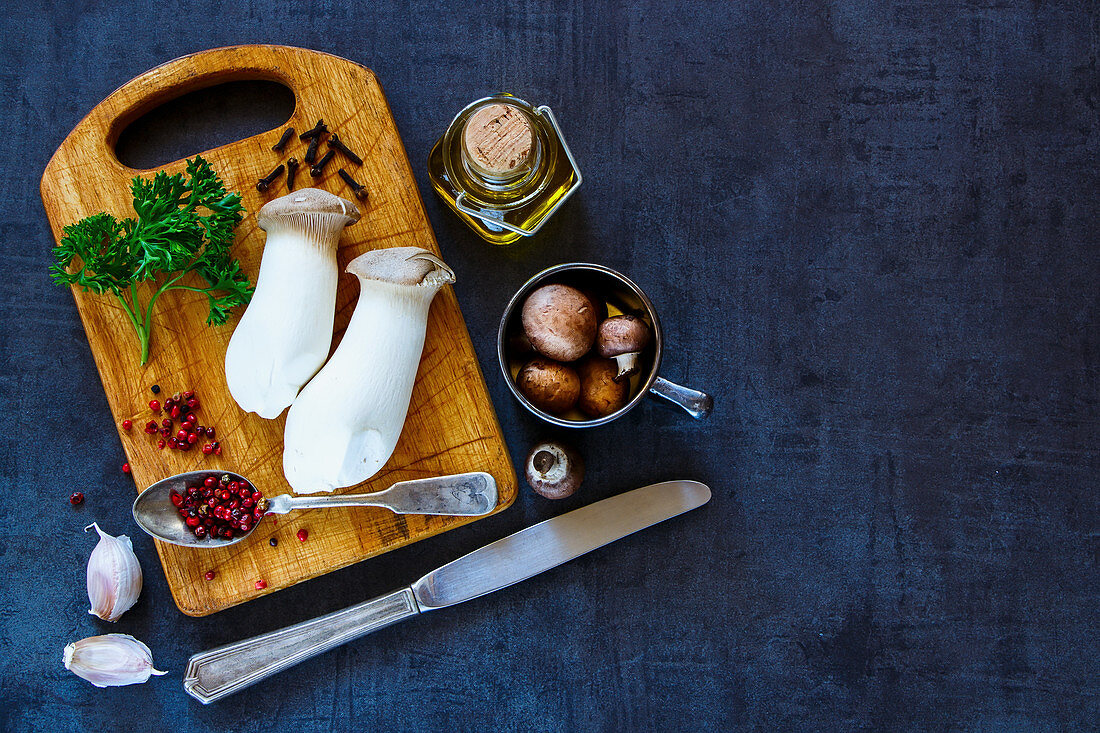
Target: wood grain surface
x,y
451,426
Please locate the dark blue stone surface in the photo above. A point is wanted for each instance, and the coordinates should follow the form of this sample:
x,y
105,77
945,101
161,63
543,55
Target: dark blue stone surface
x,y
871,229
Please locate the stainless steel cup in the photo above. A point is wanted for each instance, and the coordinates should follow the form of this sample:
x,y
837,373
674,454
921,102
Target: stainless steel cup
x,y
620,291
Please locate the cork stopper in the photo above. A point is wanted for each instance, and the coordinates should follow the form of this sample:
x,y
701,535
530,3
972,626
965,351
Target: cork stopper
x,y
498,139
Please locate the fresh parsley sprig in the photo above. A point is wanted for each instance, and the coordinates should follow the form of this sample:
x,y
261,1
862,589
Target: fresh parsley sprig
x,y
183,226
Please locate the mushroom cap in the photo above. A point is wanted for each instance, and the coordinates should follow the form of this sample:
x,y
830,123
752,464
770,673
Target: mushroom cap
x,y
560,321
402,266
550,386
307,201
600,394
619,335
554,470
319,216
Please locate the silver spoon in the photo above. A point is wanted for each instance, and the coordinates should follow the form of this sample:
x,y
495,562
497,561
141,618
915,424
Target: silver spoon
x,y
462,494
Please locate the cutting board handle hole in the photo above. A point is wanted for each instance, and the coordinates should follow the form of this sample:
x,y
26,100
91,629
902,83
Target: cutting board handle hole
x,y
203,120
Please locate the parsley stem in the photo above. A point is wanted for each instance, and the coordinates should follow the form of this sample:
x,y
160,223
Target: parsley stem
x,y
142,333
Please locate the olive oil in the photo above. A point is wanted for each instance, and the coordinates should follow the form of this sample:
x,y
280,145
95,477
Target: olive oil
x,y
503,166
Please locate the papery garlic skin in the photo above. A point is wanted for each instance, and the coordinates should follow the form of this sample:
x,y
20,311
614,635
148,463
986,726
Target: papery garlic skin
x,y
112,660
284,336
345,424
114,576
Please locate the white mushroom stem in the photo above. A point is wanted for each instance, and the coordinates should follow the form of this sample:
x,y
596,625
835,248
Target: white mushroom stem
x,y
284,335
627,363
345,424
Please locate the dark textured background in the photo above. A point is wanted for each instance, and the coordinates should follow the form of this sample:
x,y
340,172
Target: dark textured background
x,y
871,229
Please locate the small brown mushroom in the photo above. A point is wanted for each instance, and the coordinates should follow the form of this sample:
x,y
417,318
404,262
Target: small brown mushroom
x,y
560,321
554,470
623,338
600,394
549,385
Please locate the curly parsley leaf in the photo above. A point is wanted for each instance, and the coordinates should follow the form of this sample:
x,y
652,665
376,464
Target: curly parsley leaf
x,y
184,225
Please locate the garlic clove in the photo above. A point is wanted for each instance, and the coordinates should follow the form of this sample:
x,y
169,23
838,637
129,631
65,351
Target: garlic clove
x,y
114,576
112,660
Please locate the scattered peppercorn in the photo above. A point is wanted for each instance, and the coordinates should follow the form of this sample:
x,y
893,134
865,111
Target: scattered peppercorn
x,y
274,541
77,499
303,534
261,584
180,406
126,468
155,389
210,573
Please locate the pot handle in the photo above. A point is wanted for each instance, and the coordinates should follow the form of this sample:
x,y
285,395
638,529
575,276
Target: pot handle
x,y
695,403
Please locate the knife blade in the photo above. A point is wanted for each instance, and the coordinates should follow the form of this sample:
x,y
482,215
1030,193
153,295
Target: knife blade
x,y
217,673
555,541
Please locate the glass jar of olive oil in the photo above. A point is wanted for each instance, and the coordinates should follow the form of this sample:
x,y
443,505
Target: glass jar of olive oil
x,y
504,167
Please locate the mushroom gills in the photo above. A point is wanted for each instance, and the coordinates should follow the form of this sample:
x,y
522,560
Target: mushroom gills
x,y
345,424
554,470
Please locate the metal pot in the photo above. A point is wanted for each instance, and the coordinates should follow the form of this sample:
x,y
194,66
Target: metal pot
x,y
624,294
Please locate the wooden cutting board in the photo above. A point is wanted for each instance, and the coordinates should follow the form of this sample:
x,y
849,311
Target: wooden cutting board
x,y
451,425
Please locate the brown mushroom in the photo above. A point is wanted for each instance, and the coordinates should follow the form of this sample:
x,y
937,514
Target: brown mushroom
x,y
560,321
554,470
549,385
622,338
600,394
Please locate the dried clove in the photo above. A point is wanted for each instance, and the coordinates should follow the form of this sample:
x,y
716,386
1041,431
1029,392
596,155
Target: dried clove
x,y
359,189
112,660
287,134
264,183
317,131
311,152
338,144
291,171
319,166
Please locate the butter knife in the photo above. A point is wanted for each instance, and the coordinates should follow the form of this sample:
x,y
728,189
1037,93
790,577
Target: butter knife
x,y
217,673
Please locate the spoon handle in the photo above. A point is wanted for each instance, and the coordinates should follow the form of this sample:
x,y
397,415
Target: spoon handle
x,y
213,674
460,494
288,503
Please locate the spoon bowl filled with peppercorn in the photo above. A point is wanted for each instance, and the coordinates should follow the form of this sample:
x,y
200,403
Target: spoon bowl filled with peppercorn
x,y
221,508
200,509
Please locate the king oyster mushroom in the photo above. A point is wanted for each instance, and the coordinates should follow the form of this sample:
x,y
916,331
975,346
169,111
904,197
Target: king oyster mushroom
x,y
345,424
622,338
284,335
560,321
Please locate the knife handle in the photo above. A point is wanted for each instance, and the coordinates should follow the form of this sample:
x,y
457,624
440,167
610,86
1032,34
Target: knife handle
x,y
214,674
